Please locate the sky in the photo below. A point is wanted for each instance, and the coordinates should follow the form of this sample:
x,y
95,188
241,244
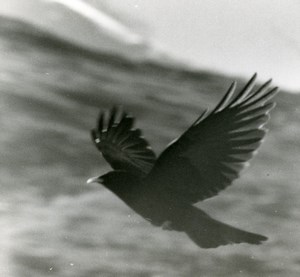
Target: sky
x,y
230,36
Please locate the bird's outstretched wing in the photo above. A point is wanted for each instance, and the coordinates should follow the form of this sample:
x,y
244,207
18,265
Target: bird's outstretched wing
x,y
211,153
121,146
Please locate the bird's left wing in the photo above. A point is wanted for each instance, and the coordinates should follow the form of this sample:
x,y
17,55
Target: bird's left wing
x,y
211,153
123,148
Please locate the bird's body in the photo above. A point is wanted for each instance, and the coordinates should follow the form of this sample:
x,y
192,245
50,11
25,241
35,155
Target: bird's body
x,y
171,213
151,204
203,161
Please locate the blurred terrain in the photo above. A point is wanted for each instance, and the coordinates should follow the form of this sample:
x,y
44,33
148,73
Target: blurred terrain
x,y
53,224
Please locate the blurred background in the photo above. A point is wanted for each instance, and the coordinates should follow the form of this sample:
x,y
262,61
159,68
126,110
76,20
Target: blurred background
x,y
165,62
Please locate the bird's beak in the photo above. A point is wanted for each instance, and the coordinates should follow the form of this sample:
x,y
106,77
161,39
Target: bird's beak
x,y
94,180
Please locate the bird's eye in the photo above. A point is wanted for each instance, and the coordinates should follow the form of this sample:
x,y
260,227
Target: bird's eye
x,y
97,140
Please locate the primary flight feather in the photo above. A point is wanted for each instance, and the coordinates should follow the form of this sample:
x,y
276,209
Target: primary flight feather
x,y
202,161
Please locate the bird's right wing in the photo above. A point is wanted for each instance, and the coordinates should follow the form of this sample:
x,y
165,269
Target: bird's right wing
x,y
211,153
123,148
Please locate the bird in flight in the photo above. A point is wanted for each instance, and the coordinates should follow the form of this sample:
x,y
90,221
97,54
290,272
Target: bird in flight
x,y
204,160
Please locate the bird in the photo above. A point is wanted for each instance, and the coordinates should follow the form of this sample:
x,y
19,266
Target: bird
x,y
196,166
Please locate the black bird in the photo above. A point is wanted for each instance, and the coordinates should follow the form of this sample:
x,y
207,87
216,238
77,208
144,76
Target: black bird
x,y
201,162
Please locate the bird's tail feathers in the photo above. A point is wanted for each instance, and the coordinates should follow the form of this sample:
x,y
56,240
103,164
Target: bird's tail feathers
x,y
207,232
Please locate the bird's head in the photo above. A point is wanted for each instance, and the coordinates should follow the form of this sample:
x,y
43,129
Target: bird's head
x,y
115,180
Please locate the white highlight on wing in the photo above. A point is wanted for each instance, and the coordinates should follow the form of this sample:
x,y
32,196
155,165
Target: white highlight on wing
x,y
107,24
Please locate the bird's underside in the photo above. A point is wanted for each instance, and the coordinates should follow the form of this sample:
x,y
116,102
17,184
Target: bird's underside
x,y
202,161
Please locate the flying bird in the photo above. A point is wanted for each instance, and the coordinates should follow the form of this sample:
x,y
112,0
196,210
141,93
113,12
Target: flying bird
x,y
204,160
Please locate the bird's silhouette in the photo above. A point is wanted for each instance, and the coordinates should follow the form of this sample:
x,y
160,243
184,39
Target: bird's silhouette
x,y
201,162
